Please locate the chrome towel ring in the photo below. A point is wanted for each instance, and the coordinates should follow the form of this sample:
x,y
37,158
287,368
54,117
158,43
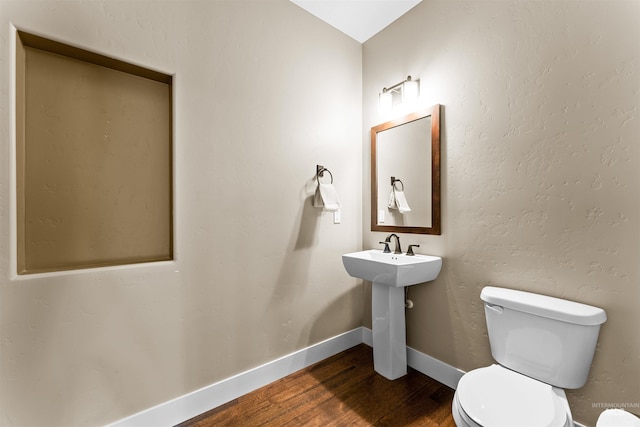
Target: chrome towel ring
x,y
320,170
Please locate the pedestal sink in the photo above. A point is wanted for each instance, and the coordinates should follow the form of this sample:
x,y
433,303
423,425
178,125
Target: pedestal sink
x,y
390,274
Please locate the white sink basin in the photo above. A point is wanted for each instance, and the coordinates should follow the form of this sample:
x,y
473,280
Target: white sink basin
x,y
391,269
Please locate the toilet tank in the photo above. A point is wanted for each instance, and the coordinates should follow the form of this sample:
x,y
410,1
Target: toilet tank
x,y
550,339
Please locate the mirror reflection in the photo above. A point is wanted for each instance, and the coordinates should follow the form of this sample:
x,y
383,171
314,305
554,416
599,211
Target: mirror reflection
x,y
405,169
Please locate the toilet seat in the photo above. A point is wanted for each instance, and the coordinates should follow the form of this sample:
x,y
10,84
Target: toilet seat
x,y
498,397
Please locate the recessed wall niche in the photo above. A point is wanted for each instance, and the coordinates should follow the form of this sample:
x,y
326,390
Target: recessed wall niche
x,y
94,159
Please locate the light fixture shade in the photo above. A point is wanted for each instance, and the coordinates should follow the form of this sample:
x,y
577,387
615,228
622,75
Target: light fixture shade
x,y
410,91
385,102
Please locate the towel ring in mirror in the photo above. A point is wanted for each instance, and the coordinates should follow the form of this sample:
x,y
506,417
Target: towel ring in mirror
x,y
393,183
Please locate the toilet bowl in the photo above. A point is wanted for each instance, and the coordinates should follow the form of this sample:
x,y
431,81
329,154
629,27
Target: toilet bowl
x,y
542,345
496,396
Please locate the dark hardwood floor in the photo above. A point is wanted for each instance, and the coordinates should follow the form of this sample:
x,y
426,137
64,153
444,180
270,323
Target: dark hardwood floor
x,y
343,390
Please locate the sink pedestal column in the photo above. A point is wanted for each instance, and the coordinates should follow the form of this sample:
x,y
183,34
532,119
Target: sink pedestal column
x,y
389,335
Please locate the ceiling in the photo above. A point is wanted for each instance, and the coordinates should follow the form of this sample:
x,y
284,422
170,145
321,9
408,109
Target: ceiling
x,y
359,19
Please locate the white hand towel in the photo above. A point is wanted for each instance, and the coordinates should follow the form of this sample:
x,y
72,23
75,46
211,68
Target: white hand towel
x,y
317,199
392,201
401,201
327,196
397,200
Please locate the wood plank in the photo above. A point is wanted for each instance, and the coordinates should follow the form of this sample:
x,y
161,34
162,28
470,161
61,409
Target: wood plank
x,y
338,391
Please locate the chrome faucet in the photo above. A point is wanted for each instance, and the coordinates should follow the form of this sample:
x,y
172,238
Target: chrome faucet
x,y
398,249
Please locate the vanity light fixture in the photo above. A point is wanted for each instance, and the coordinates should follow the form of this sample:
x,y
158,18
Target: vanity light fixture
x,y
404,93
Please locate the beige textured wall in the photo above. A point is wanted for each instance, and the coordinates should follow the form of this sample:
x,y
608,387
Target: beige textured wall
x,y
541,169
263,92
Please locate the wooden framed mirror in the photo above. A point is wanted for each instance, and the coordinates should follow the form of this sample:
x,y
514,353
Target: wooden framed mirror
x,y
405,174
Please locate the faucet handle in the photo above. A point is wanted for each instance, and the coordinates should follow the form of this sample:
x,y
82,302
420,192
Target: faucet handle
x,y
386,247
410,250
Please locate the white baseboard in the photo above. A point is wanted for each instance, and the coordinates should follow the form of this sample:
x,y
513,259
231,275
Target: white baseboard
x,y
195,403
367,336
431,367
434,368
190,405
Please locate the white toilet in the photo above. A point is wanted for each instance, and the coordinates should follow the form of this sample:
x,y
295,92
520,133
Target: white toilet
x,y
617,418
542,345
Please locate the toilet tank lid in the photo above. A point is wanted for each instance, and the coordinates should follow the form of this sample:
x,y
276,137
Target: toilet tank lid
x,y
545,306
